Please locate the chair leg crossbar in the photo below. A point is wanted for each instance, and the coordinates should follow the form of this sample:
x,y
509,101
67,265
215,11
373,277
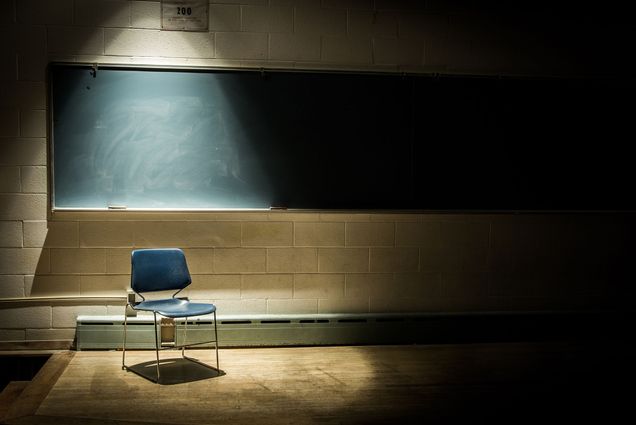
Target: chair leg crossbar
x,y
181,346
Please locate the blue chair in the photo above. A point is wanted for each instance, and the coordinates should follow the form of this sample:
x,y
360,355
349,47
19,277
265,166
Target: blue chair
x,y
165,269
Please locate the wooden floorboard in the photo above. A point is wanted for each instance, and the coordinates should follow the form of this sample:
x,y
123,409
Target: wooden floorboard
x,y
10,394
37,390
513,383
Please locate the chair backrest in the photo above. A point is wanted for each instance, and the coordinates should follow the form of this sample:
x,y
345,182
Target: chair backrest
x,y
159,269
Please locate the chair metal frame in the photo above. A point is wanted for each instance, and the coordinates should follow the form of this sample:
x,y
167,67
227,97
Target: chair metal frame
x,y
159,345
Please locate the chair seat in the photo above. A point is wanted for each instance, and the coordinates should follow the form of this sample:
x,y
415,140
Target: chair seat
x,y
174,307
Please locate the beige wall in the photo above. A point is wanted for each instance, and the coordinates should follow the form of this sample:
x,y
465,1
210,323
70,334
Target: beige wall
x,y
284,262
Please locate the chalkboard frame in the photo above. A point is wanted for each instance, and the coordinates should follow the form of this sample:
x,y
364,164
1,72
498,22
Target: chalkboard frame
x,y
529,197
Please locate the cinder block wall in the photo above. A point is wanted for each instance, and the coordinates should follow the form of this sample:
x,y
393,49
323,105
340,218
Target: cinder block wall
x,y
289,262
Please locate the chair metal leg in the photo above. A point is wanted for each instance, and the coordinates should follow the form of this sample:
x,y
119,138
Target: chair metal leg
x,y
216,346
156,344
216,343
123,351
185,337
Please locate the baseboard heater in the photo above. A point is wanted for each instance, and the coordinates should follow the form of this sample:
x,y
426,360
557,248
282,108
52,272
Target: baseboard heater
x,y
106,332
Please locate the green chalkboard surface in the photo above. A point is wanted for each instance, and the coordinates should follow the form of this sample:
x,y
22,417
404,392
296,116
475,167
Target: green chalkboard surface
x,y
147,138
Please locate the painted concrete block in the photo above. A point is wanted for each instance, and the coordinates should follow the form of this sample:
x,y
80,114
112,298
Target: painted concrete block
x,y
347,305
225,17
239,260
78,260
292,260
9,179
215,287
367,23
343,260
250,307
9,122
319,234
153,43
267,286
266,234
394,259
187,234
294,47
346,50
267,19
236,45
32,123
319,286
364,285
33,179
21,206
24,260
277,306
97,234
66,316
145,14
370,234
50,334
51,234
109,13
398,51
104,285
76,40
26,317
52,285
11,286
45,12
309,20
200,260
16,151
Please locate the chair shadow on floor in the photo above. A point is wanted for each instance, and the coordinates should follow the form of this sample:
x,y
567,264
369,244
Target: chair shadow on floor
x,y
176,370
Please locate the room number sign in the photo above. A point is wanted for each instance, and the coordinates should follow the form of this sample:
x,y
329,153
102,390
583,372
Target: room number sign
x,y
184,15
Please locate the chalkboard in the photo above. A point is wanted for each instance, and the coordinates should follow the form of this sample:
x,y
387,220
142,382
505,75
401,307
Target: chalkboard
x,y
145,138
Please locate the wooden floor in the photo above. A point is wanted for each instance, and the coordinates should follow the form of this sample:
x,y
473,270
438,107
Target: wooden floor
x,y
510,382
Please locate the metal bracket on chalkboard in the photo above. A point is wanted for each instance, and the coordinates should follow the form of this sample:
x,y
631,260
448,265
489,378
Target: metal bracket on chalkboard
x,y
94,69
